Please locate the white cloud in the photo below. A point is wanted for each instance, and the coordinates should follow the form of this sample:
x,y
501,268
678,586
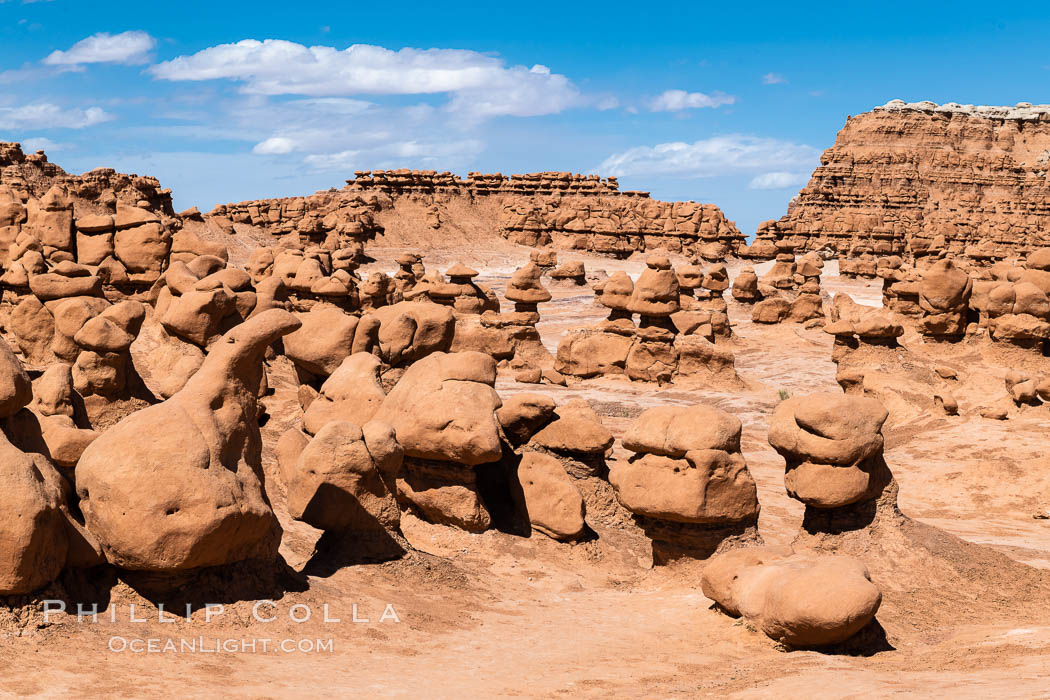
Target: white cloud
x,y
733,154
127,47
343,160
275,145
677,100
41,144
773,79
778,180
43,115
479,84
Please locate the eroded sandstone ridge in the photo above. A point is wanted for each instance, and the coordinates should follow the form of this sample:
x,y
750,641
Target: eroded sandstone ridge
x,y
574,212
919,178
32,175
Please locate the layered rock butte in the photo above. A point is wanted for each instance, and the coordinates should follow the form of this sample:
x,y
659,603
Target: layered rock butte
x,y
908,177
572,212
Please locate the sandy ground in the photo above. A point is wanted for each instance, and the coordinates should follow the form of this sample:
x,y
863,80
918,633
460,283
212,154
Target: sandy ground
x,y
494,615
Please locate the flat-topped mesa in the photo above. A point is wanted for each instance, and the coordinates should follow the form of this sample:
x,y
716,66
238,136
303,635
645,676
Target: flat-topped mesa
x,y
97,191
429,181
566,210
921,179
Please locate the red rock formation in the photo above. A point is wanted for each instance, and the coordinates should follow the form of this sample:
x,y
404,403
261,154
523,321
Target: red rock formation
x,y
31,176
581,212
920,178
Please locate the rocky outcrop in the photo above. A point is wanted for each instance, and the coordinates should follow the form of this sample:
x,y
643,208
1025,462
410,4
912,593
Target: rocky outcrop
x,y
32,175
179,485
572,212
915,179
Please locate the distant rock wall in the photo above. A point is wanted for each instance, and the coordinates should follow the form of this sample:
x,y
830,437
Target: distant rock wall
x,y
569,211
96,191
919,178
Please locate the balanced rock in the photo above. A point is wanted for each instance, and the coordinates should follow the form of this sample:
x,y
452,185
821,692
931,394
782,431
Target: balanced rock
x,y
687,485
832,444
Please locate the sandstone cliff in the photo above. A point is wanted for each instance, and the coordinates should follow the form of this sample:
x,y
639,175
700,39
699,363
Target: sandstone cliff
x,y
32,175
919,178
580,212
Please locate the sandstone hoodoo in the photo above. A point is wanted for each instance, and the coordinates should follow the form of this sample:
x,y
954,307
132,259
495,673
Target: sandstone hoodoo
x,y
920,178
180,485
687,483
554,462
443,415
944,295
674,340
833,447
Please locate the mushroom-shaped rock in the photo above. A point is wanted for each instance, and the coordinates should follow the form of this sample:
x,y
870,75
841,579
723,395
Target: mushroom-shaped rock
x,y
832,444
716,279
745,286
878,326
687,485
443,408
459,271
617,291
179,485
689,276
944,294
525,286
801,600
673,431
574,431
443,415
656,292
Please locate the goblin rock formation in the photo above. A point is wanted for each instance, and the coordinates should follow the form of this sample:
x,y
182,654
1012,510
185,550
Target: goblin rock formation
x,y
687,484
675,338
179,485
910,179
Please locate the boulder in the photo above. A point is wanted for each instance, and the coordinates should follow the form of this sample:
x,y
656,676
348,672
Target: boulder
x,y
336,484
443,409
15,388
33,537
179,485
800,600
832,444
555,506
353,393
411,330
324,339
522,415
656,292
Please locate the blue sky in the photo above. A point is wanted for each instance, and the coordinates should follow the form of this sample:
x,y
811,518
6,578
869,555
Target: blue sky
x,y
730,103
